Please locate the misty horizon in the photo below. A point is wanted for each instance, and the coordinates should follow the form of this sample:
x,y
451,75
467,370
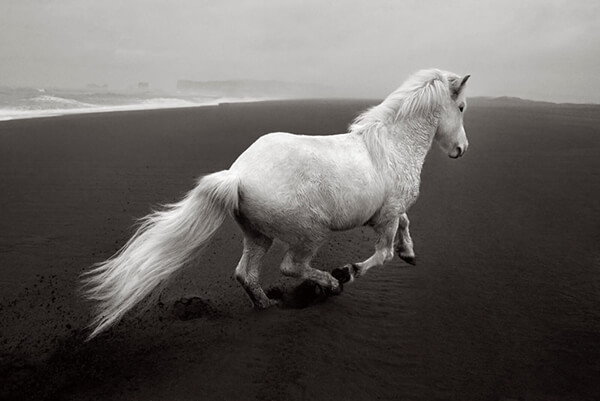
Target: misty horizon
x,y
333,94
218,92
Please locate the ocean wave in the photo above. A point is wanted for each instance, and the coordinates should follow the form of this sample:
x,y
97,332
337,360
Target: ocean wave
x,y
29,104
169,102
56,102
50,105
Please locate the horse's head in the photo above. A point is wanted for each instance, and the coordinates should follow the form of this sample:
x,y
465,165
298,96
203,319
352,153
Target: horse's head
x,y
450,133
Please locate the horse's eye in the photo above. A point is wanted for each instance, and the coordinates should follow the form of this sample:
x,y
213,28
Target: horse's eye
x,y
461,107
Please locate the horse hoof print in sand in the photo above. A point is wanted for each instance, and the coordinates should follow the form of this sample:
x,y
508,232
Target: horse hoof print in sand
x,y
298,189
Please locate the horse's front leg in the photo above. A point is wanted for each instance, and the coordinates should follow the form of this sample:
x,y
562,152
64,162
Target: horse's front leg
x,y
384,251
404,248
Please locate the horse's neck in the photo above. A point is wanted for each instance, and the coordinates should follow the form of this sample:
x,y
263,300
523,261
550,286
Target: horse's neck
x,y
408,144
414,139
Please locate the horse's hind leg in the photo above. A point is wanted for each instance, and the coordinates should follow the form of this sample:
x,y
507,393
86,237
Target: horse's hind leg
x,y
296,263
247,271
405,245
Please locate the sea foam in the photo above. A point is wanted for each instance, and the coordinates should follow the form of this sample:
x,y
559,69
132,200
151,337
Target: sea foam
x,y
25,103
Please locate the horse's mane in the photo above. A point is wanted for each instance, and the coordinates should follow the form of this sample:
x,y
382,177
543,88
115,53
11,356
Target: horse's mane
x,y
418,96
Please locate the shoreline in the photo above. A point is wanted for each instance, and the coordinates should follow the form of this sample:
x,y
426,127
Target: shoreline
x,y
123,108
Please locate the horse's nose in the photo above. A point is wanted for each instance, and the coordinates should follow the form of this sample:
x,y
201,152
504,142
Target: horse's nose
x,y
457,152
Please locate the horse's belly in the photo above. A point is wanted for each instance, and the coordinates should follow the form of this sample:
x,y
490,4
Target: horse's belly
x,y
280,209
354,211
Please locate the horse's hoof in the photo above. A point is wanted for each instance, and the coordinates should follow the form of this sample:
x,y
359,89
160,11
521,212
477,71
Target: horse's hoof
x,y
411,260
342,275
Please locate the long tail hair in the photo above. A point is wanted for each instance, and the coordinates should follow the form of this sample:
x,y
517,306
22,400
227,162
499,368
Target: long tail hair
x,y
163,243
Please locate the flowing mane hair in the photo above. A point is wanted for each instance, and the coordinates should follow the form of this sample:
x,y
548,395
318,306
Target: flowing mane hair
x,y
418,96
416,99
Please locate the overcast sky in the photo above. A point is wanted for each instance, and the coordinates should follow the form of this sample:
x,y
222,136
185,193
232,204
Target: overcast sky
x,y
547,50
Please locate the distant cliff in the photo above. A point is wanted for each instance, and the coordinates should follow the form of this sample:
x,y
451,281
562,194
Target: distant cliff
x,y
254,88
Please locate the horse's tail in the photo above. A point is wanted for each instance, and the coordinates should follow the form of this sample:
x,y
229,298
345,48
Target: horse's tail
x,y
163,243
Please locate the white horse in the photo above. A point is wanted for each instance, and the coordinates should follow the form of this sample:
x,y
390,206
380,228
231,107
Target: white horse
x,y
297,188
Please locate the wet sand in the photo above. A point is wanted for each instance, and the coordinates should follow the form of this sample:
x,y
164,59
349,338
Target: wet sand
x,y
504,302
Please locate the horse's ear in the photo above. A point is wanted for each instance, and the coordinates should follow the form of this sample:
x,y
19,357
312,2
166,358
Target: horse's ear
x,y
457,85
464,80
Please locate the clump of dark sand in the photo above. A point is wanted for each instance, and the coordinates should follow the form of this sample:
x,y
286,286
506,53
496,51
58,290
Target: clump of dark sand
x,y
193,308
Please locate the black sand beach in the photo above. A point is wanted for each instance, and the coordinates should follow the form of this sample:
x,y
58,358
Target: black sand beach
x,y
504,303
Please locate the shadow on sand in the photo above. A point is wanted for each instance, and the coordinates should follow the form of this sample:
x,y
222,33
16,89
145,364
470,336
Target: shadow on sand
x,y
73,361
308,292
